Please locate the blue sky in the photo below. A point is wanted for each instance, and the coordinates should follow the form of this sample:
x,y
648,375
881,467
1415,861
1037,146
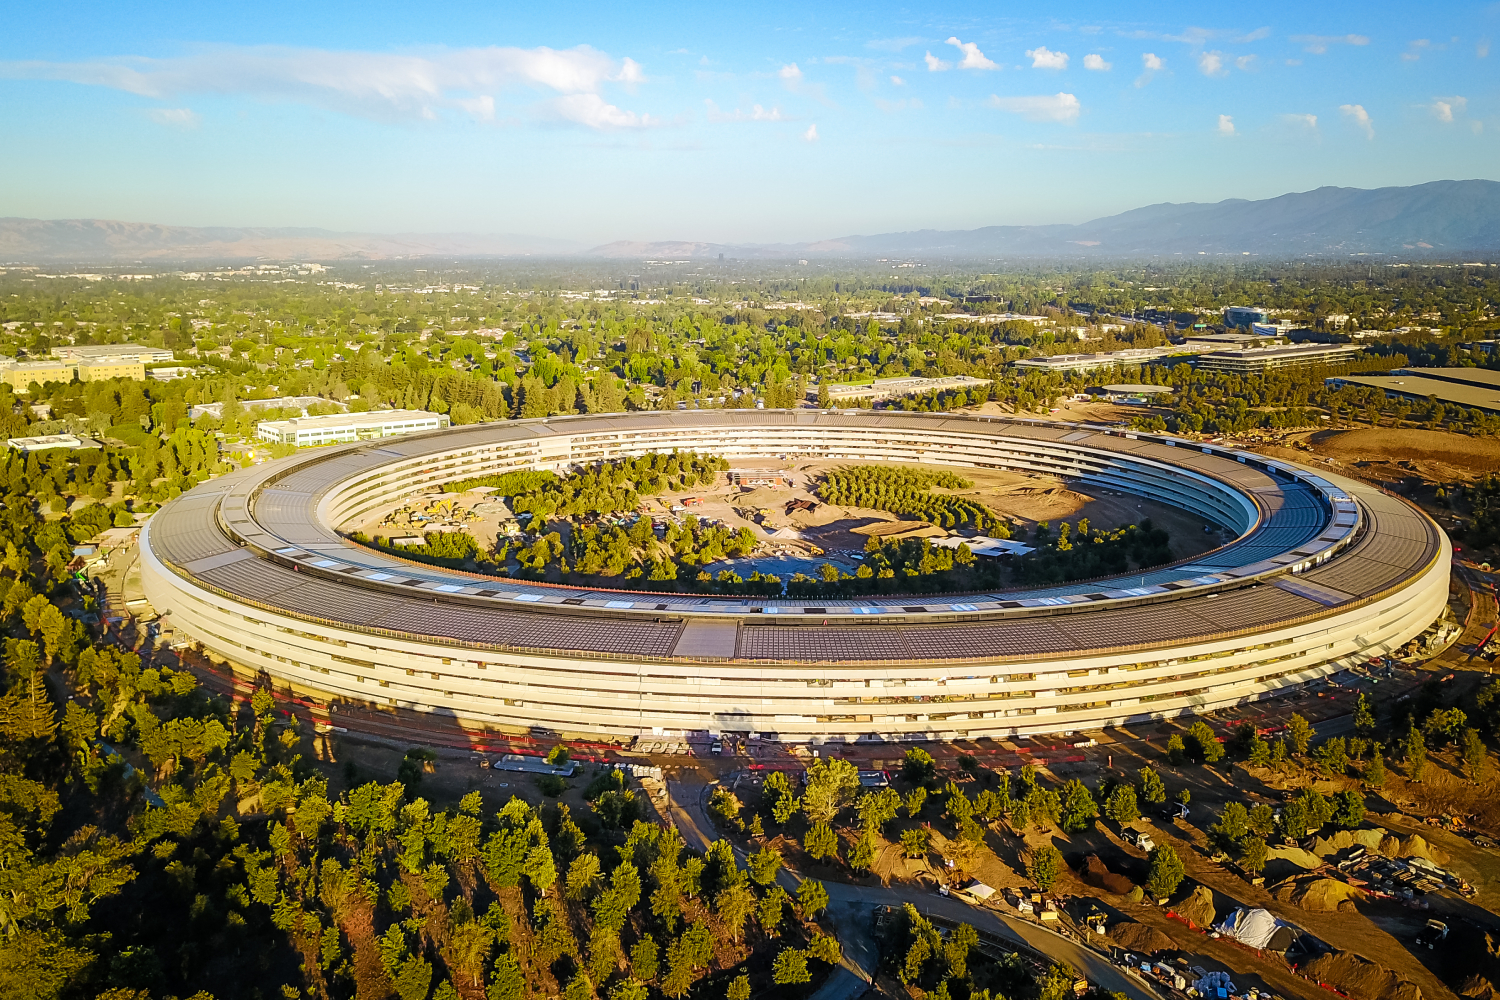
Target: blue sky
x,y
750,122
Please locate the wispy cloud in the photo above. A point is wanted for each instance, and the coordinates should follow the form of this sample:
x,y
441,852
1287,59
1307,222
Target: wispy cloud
x,y
973,58
1416,48
1226,125
1446,109
380,85
1211,63
1151,64
811,135
184,118
1044,58
1041,108
1482,48
1319,44
1360,117
896,81
1095,61
936,65
891,107
757,113
1305,121
893,44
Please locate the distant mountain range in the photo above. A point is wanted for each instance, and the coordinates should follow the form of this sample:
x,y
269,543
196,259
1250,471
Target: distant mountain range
x,y
1442,218
103,241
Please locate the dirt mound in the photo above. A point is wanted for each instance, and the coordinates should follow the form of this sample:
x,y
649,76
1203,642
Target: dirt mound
x,y
1360,977
1479,988
1326,895
1097,874
1296,855
1345,839
885,529
1198,908
1134,936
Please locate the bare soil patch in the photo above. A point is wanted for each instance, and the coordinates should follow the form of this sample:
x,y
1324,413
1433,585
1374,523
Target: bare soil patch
x,y
1393,454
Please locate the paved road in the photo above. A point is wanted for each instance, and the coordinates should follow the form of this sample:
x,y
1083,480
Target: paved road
x,y
851,909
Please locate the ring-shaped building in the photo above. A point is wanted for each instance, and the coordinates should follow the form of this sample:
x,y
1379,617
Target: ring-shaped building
x,y
1323,573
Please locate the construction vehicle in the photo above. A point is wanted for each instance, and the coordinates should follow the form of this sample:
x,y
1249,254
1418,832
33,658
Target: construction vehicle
x,y
1433,934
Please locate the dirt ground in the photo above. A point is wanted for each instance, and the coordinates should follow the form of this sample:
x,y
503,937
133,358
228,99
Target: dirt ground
x,y
1392,455
1019,498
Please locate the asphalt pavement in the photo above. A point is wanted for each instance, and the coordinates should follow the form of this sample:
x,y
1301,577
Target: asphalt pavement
x,y
851,911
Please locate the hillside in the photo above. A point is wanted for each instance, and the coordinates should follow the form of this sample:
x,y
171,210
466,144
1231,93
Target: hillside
x,y
1441,218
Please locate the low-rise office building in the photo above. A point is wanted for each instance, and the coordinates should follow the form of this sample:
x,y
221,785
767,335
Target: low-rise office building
x,y
20,375
112,353
341,427
106,368
892,388
216,410
1471,388
1257,360
1094,362
46,442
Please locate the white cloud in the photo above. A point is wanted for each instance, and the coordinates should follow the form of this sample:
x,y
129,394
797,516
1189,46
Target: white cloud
x,y
595,112
630,71
481,108
1445,109
1418,46
1319,44
811,135
936,65
896,81
1246,63
1361,118
791,74
1044,58
1482,48
1150,64
1095,61
1226,125
1042,108
1306,121
973,58
378,85
1211,63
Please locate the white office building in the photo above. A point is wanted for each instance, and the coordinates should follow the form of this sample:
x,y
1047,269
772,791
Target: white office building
x,y
113,354
336,428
